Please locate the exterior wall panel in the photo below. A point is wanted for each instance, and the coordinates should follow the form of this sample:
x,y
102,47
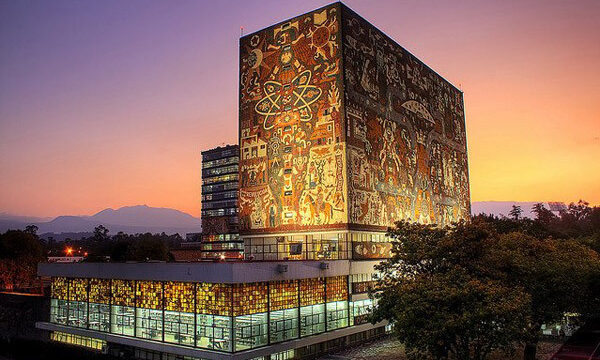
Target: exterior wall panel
x,y
407,157
292,145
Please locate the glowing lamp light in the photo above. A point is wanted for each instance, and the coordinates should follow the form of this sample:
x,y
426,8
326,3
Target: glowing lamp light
x,y
69,251
222,257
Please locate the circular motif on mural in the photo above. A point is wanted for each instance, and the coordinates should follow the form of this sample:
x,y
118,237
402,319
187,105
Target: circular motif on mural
x,y
296,96
321,36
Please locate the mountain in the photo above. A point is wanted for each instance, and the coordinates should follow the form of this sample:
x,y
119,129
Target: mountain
x,y
502,208
143,215
129,219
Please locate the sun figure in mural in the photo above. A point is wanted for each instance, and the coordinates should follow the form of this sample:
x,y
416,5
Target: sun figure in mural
x,y
297,96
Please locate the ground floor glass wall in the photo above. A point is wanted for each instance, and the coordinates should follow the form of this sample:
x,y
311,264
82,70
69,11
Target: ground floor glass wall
x,y
337,315
179,328
361,310
59,310
221,317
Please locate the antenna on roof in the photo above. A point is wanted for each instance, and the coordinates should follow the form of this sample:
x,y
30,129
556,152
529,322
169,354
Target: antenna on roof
x,y
241,31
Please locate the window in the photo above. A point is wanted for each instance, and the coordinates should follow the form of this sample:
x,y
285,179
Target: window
x,y
283,325
213,332
148,312
78,297
312,319
250,331
337,315
77,340
360,311
77,314
58,311
179,312
149,323
122,320
99,298
99,317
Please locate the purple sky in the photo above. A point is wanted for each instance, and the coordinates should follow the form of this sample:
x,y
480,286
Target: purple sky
x,y
109,103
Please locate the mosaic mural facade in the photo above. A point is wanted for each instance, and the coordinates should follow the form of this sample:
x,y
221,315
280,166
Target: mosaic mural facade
x,y
342,128
292,165
407,156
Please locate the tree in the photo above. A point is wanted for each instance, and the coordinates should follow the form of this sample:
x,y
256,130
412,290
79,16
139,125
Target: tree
x,y
31,229
542,214
558,275
20,252
100,233
148,247
441,303
459,268
516,212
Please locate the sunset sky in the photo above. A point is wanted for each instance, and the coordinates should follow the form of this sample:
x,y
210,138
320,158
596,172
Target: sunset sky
x,y
109,103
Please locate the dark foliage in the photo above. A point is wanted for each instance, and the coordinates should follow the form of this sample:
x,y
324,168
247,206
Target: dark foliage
x,y
462,291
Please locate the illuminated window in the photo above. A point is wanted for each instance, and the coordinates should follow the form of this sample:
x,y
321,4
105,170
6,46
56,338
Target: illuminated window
x,y
337,288
59,308
214,299
78,296
250,331
179,312
99,310
312,291
337,315
312,310
77,340
148,312
58,288
123,310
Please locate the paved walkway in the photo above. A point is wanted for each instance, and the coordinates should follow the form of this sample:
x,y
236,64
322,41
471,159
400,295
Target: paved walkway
x,y
391,349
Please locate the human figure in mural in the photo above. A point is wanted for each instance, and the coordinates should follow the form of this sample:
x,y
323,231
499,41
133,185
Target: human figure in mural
x,y
272,216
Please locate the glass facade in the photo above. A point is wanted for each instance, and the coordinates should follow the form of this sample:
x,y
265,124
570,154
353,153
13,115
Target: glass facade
x,y
219,203
78,340
222,317
318,246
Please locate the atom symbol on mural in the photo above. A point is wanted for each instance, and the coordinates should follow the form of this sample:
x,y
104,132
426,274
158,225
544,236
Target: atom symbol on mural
x,y
279,98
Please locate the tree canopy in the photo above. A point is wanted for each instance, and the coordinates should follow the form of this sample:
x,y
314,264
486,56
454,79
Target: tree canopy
x,y
466,290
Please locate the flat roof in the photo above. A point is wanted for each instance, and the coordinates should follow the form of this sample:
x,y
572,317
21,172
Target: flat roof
x,y
210,272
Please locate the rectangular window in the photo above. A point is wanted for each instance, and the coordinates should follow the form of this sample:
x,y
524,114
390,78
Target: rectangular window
x,y
58,311
77,314
123,320
179,328
283,325
337,315
250,331
99,317
213,332
312,319
149,324
360,311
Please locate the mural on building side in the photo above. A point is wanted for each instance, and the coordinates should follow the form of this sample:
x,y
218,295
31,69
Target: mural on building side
x,y
292,165
406,134
340,127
